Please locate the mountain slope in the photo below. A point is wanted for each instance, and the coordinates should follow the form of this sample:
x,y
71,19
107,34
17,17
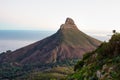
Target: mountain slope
x,y
101,64
67,43
51,56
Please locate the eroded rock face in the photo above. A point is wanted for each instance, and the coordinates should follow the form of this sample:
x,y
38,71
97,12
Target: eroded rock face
x,y
69,21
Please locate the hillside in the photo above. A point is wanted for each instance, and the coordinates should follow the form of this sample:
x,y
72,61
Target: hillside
x,y
67,43
101,64
63,49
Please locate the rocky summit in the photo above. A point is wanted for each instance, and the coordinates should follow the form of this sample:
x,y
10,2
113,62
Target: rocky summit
x,y
67,43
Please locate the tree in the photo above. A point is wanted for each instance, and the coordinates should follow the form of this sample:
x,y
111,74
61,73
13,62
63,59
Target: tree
x,y
114,31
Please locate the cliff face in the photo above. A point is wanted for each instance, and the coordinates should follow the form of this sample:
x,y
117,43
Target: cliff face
x,y
67,43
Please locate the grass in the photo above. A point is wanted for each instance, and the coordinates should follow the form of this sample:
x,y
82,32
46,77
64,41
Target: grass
x,y
56,73
76,37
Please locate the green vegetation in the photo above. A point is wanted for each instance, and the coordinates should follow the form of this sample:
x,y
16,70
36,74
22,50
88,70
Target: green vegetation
x,y
101,64
46,76
76,37
56,73
53,71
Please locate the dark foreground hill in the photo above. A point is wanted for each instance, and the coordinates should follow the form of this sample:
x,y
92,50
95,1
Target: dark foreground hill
x,y
101,64
60,49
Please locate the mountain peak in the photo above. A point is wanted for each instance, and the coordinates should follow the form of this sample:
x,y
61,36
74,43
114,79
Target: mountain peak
x,y
68,43
62,49
69,23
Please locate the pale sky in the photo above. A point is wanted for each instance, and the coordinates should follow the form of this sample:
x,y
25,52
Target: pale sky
x,y
89,15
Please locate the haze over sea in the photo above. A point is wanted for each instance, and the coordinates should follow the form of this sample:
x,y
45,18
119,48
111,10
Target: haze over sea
x,y
15,39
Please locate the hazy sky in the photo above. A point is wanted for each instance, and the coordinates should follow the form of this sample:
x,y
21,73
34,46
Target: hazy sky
x,y
98,15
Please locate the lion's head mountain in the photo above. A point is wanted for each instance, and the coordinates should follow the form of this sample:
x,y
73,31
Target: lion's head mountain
x,y
66,44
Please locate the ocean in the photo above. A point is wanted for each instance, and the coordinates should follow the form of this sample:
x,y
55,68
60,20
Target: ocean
x,y
15,39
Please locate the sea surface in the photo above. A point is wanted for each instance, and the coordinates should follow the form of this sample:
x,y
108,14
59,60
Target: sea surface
x,y
15,39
